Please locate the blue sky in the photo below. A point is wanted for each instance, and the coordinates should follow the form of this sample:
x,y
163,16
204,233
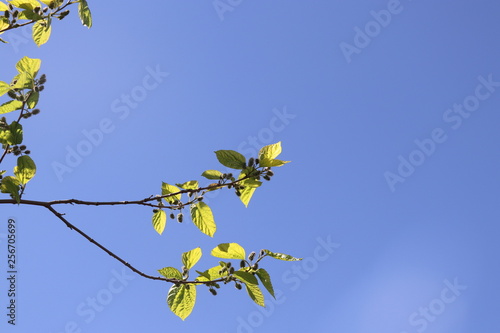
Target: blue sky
x,y
388,111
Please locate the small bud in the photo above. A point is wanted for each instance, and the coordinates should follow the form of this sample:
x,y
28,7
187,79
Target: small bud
x,y
242,263
238,193
257,161
15,13
228,265
270,173
22,147
251,161
251,256
172,216
231,270
42,79
237,285
180,217
229,175
27,152
255,266
6,14
17,152
40,88
262,253
266,177
213,291
155,211
200,198
35,111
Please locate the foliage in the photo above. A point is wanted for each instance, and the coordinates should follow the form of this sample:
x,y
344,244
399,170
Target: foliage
x,y
23,93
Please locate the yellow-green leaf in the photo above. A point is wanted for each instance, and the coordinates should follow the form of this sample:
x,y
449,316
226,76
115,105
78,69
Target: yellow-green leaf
x,y
159,221
229,251
25,4
4,87
170,273
212,174
10,106
202,217
33,99
190,185
29,66
84,13
181,299
169,189
11,185
250,185
25,169
211,274
231,159
268,154
281,256
252,287
190,258
3,7
41,31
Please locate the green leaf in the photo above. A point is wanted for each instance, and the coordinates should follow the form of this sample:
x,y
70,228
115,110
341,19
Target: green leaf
x,y
10,106
29,14
281,256
190,258
4,88
211,274
33,99
246,277
252,287
171,273
212,174
190,185
159,221
169,189
16,131
250,185
13,135
231,159
25,169
268,154
255,294
229,251
29,66
11,185
266,280
41,31
25,4
84,13
181,299
202,217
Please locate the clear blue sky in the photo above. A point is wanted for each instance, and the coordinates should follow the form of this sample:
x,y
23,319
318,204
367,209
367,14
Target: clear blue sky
x,y
388,110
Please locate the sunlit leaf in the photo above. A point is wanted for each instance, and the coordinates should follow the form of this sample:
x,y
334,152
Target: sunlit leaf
x,y
171,273
202,217
159,221
181,299
190,258
25,169
229,251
